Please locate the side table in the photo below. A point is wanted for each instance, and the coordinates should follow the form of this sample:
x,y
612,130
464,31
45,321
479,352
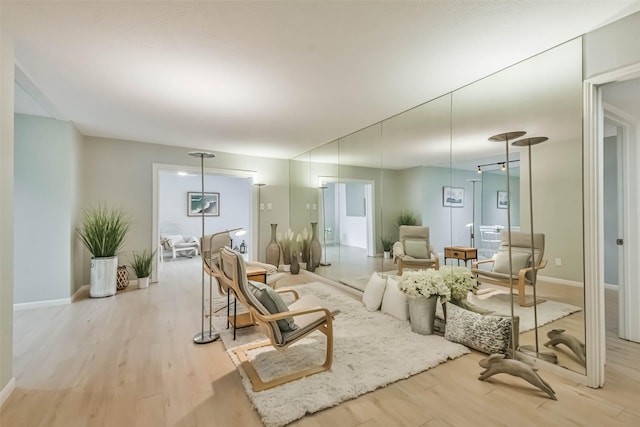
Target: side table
x,y
461,253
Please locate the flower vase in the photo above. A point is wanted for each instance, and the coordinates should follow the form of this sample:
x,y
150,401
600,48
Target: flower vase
x,y
273,249
295,265
315,248
422,313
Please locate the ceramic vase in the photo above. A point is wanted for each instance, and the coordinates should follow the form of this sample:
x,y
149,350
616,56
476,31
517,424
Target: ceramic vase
x,y
295,265
273,249
315,248
422,314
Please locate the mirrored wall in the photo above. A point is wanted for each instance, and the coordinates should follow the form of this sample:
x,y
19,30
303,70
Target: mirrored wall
x,y
435,161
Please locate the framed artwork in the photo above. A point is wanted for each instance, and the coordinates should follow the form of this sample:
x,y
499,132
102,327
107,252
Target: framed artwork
x,y
503,200
210,204
453,197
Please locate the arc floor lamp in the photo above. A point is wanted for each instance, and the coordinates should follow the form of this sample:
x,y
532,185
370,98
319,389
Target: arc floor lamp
x,y
210,335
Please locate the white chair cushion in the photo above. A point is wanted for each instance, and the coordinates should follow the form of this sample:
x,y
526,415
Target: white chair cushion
x,y
416,248
394,302
373,293
519,260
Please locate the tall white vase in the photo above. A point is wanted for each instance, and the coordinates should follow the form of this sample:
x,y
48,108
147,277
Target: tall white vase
x,y
143,282
104,273
422,313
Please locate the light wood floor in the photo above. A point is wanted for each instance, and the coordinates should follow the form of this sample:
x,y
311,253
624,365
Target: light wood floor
x,y
129,360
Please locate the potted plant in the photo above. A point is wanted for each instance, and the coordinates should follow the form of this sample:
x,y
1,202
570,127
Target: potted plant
x,y
142,265
423,287
406,218
387,244
103,231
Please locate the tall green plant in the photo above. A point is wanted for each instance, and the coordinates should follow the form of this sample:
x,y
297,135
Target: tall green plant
x,y
103,230
407,218
142,263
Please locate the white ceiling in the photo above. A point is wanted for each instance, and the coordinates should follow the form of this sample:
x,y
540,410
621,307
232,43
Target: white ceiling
x,y
269,78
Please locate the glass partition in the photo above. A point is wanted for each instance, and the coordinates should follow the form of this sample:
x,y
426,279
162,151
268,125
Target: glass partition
x,y
425,161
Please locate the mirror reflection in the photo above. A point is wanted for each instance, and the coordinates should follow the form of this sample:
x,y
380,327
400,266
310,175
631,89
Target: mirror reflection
x,y
422,166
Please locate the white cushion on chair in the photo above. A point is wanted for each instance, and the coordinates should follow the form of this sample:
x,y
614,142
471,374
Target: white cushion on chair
x,y
373,293
519,260
416,248
394,302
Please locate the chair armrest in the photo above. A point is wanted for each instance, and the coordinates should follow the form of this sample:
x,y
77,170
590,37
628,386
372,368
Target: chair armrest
x,y
398,250
292,291
278,316
484,261
524,271
434,253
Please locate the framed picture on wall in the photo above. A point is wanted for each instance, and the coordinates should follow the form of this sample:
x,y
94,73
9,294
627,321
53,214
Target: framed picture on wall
x,y
453,197
503,200
210,204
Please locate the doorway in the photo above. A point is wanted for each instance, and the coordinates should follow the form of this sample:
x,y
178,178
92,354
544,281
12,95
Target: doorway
x,y
621,119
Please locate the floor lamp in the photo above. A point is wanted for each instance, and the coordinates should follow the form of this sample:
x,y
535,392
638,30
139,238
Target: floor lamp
x,y
473,212
259,185
506,137
324,228
514,367
204,336
548,356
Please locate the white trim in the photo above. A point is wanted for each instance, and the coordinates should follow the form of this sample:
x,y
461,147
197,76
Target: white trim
x,y
561,281
7,390
593,234
77,293
40,304
612,287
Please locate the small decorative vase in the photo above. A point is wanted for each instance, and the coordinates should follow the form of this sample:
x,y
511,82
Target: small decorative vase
x,y
295,266
422,313
273,249
315,248
122,277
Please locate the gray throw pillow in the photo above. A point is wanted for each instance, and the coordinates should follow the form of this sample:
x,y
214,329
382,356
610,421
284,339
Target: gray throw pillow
x,y
416,248
486,333
519,260
273,303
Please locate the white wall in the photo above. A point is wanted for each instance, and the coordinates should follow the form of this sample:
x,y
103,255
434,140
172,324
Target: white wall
x,y
235,204
45,205
119,174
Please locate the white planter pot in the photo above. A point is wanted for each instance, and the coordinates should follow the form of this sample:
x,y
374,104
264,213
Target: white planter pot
x,y
422,313
104,273
143,282
387,254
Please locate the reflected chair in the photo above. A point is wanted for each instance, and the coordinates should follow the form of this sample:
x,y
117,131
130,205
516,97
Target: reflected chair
x,y
283,325
413,249
522,268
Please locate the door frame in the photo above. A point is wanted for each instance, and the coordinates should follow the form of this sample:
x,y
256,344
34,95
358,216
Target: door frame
x,y
593,114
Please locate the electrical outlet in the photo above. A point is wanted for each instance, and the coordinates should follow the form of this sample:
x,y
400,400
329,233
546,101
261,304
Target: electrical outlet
x,y
307,206
559,262
314,206
269,206
261,206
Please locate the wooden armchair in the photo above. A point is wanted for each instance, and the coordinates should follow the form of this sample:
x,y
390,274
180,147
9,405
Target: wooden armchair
x,y
413,250
523,269
304,316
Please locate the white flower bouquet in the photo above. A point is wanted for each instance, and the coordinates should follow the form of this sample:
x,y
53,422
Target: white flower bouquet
x,y
459,280
424,283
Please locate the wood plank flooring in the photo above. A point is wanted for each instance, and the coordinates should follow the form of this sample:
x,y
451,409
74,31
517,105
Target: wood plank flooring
x,y
129,360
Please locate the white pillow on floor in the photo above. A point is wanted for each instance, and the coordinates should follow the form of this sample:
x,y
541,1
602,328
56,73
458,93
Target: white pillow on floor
x,y
373,293
394,302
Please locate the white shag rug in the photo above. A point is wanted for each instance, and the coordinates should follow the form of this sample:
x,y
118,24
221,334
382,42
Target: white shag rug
x,y
371,350
498,302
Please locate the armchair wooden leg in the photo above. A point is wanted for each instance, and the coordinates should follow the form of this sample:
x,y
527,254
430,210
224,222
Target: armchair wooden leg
x,y
242,353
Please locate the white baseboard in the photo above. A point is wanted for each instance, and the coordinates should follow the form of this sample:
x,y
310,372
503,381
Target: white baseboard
x,y
40,304
612,287
561,281
7,390
77,293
